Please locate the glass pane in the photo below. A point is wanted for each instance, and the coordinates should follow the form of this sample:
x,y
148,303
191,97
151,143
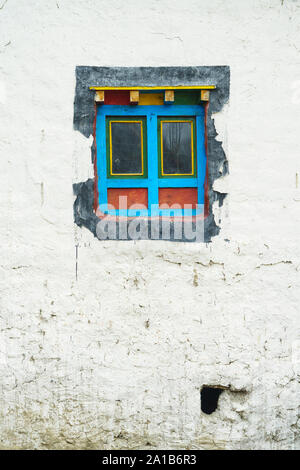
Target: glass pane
x,y
126,147
177,148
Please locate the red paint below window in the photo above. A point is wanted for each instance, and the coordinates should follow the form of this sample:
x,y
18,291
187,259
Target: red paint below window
x,y
134,196
179,196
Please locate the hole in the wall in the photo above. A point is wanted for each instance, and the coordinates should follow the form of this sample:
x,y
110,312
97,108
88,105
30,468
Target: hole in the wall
x,y
210,398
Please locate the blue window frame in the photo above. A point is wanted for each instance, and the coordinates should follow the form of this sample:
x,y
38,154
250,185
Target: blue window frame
x,y
153,181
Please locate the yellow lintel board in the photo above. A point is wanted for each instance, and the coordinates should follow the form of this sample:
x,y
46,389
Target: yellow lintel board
x,y
169,96
99,96
205,95
134,96
178,87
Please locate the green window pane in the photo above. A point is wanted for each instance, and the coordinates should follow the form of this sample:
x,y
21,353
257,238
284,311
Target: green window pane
x,y
126,147
177,148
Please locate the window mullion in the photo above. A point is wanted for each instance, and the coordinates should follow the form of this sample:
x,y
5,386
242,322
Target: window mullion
x,y
152,161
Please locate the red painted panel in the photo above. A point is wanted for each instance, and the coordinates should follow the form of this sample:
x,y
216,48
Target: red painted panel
x,y
134,196
179,196
117,97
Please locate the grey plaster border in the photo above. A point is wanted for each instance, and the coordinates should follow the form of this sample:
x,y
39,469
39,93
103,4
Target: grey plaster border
x,y
87,76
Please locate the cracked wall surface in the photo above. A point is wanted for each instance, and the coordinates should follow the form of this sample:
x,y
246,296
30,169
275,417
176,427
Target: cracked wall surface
x,y
107,345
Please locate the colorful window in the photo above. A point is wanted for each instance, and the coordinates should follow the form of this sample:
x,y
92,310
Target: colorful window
x,y
150,153
126,145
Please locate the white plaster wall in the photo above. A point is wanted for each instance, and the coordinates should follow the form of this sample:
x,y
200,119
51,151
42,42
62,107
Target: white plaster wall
x,y
116,358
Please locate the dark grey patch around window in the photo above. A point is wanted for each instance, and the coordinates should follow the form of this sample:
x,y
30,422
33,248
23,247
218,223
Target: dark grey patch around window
x,y
217,163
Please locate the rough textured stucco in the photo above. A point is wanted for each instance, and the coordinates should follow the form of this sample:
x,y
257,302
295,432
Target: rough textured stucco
x,y
84,115
117,358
